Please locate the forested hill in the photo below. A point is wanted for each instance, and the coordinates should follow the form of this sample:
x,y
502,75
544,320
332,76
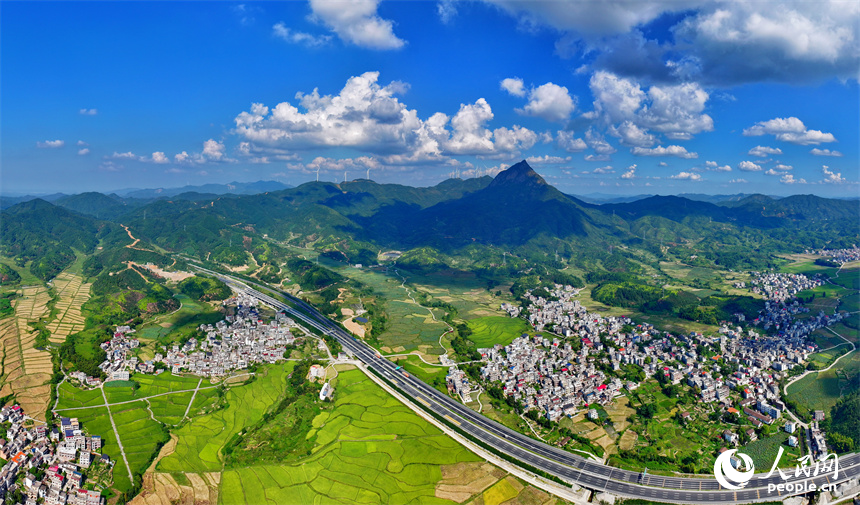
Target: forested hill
x,y
516,211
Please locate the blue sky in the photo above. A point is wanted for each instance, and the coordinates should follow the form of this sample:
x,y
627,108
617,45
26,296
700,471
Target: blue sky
x,y
605,96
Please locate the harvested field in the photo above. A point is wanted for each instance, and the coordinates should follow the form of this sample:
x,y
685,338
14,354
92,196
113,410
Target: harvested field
x,y
72,293
461,481
628,440
26,370
163,489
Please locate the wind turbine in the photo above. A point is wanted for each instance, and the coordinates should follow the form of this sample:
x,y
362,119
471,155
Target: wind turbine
x,y
318,174
368,174
344,176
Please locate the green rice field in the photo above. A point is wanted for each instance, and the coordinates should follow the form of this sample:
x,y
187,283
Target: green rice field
x,y
488,331
369,449
821,390
201,440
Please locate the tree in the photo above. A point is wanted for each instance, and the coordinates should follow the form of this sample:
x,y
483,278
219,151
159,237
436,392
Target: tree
x,y
647,410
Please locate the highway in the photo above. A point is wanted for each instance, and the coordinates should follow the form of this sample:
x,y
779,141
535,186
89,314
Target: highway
x,y
564,465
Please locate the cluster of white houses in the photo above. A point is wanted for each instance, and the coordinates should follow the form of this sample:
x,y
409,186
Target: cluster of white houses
x,y
61,457
779,286
235,343
545,373
841,256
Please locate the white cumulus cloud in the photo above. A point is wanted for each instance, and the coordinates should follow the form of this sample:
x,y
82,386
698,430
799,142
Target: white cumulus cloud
x,y
369,117
568,142
160,158
549,101
678,151
514,86
825,152
84,151
547,160
831,177
88,112
738,181
790,129
789,179
687,176
749,166
764,151
630,173
51,144
356,22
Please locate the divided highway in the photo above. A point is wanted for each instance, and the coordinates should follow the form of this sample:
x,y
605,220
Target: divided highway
x,y
566,466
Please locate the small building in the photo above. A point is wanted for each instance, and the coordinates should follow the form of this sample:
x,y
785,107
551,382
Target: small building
x,y
792,441
84,459
593,415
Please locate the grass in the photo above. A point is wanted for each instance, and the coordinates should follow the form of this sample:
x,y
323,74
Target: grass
x,y
433,375
201,440
72,397
369,449
821,390
488,331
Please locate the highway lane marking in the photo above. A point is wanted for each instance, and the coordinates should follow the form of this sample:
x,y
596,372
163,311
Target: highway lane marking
x,y
446,416
758,494
422,400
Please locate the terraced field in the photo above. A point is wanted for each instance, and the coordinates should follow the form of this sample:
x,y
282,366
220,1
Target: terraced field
x,y
25,369
72,293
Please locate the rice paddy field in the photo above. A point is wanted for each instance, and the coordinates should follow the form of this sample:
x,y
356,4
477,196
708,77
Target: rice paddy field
x,y
72,293
96,421
491,330
140,421
369,449
200,440
140,434
411,326
821,390
25,369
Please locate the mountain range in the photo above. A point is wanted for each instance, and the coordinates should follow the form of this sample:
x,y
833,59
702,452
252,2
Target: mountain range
x,y
517,211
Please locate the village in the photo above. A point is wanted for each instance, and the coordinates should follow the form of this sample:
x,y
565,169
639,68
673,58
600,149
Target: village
x,y
49,465
840,256
235,343
546,373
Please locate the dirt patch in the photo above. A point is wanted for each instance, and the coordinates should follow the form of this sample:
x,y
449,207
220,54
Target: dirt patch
x,y
178,276
355,328
461,481
347,312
